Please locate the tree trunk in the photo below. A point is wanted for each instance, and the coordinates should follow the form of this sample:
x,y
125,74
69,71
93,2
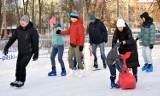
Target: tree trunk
x,y
4,20
33,11
18,15
0,17
40,13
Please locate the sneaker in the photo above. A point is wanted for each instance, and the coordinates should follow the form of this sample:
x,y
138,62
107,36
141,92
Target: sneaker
x,y
144,67
113,85
19,84
149,68
95,64
104,64
14,83
71,73
52,73
63,73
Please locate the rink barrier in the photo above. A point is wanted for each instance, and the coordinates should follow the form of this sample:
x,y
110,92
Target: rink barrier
x,y
45,46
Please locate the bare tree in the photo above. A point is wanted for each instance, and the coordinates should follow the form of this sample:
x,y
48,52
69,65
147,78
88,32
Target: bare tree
x,y
40,3
17,10
0,16
25,6
4,33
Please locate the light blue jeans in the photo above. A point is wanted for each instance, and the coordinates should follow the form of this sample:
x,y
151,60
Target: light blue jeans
x,y
146,53
94,48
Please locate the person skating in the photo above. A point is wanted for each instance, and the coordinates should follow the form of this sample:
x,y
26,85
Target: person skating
x,y
58,47
28,40
97,37
77,36
147,35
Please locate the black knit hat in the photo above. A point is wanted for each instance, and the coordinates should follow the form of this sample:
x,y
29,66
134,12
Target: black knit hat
x,y
145,15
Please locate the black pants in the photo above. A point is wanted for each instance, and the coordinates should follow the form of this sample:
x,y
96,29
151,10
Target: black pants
x,y
22,62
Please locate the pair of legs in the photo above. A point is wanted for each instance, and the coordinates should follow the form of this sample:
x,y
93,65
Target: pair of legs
x,y
22,62
102,51
57,49
74,51
146,53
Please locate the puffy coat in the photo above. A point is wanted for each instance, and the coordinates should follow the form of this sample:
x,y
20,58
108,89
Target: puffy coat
x,y
28,39
147,34
130,45
76,31
97,32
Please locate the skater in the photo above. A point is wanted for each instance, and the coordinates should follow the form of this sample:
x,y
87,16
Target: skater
x,y
28,40
123,34
77,36
147,35
114,61
97,37
58,47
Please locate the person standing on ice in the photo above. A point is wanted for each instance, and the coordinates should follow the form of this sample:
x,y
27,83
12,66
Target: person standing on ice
x,y
77,37
58,47
28,40
147,35
123,34
97,37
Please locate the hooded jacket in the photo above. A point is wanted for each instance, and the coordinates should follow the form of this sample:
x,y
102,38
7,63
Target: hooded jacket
x,y
130,45
28,39
76,32
147,34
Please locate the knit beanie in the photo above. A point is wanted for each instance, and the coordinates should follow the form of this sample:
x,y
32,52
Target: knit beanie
x,y
92,17
74,15
25,18
120,23
52,20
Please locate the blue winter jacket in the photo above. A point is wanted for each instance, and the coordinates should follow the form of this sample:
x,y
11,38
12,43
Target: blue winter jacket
x,y
97,32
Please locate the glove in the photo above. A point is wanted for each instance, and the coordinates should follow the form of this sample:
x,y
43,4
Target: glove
x,y
5,51
105,41
137,39
80,48
35,56
58,31
151,46
72,45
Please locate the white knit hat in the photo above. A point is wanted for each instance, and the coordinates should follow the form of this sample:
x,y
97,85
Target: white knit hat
x,y
120,23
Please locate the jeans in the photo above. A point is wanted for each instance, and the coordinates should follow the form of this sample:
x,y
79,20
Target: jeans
x,y
146,53
57,49
94,48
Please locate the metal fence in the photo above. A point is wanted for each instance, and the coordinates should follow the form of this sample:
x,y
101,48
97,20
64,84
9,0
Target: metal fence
x,y
45,46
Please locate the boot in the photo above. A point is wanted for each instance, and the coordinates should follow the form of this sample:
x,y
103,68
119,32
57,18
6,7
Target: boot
x,y
113,84
63,73
19,84
95,64
136,77
81,73
14,83
104,64
145,66
53,72
149,68
71,73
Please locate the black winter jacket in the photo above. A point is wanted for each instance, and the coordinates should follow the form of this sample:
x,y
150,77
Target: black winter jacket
x,y
130,45
97,32
28,39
